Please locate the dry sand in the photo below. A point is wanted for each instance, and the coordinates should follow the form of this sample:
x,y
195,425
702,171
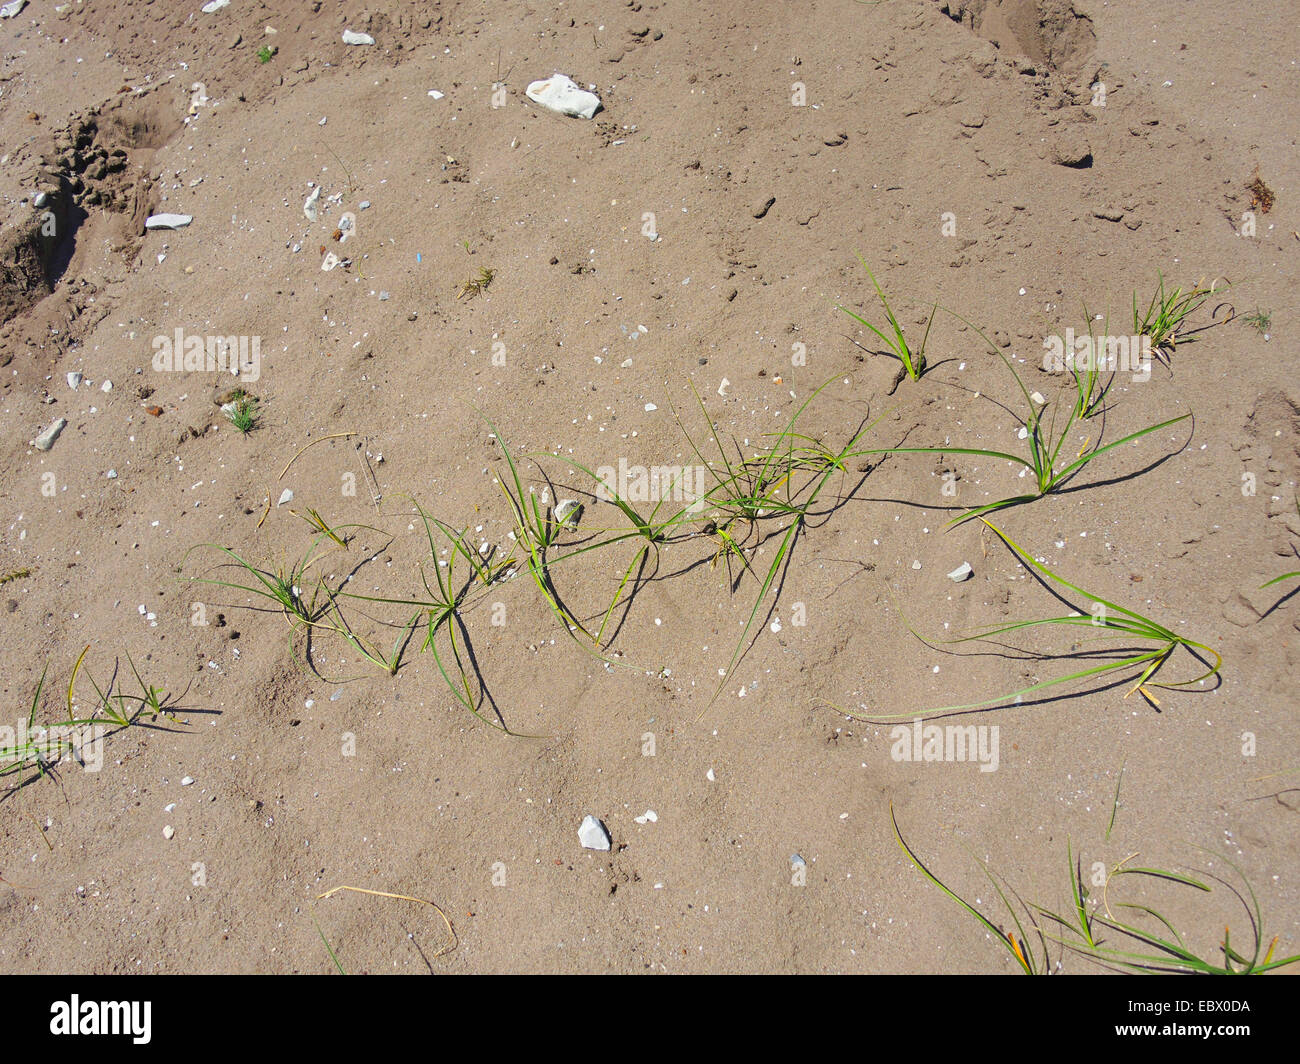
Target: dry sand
x,y
961,148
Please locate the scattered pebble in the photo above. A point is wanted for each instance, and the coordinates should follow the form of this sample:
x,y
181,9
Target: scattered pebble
x,y
649,407
357,38
648,817
592,834
187,781
11,9
74,380
436,94
46,439
962,572
309,206
169,832
285,496
214,6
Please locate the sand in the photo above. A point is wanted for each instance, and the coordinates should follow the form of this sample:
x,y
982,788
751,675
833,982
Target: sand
x,y
1014,162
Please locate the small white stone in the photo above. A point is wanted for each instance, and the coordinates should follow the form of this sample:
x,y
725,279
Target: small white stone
x,y
11,9
357,38
285,496
187,781
107,386
962,572
649,407
558,93
648,817
436,94
592,834
309,205
74,380
168,221
168,832
722,388
916,565
710,776
214,7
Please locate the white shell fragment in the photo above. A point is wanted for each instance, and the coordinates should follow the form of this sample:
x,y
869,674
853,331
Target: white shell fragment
x,y
592,834
168,221
309,205
357,38
558,93
962,572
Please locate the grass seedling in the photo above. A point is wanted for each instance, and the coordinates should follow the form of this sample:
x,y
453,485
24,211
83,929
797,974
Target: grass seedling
x,y
1163,320
1019,947
781,486
266,53
1106,619
1261,320
242,413
476,286
1090,389
27,750
1141,950
442,604
314,519
895,341
1044,440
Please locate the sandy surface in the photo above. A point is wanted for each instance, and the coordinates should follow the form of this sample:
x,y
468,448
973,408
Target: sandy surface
x,y
960,148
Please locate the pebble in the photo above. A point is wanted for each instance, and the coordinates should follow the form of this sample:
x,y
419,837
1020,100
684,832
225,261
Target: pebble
x,y
763,206
169,832
558,93
436,94
357,38
74,380
46,439
592,834
168,221
285,496
962,572
107,386
214,6
649,407
648,817
111,474
11,9
916,565
187,781
364,205
309,205
40,199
